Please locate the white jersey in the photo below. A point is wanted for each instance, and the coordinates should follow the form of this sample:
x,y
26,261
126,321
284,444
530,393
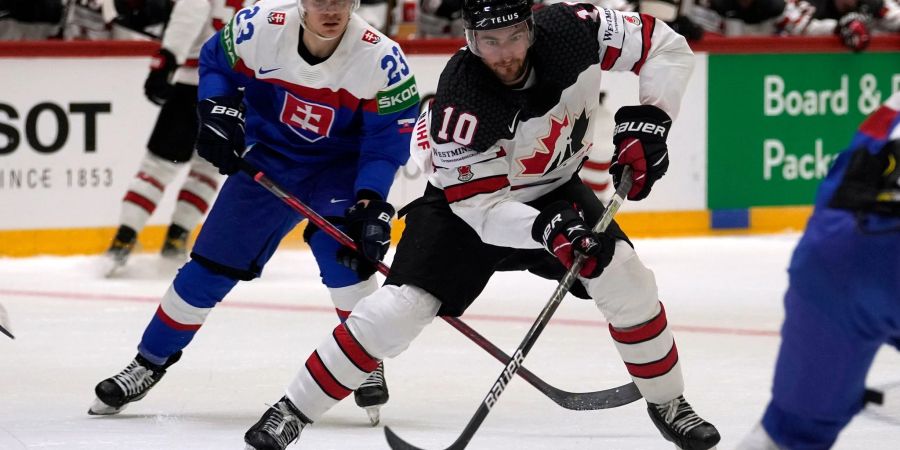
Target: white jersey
x,y
191,23
491,148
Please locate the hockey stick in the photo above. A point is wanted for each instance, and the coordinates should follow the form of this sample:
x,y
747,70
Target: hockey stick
x,y
4,323
580,401
515,363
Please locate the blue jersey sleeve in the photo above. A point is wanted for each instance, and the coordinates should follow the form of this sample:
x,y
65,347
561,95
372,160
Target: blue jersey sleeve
x,y
388,122
217,62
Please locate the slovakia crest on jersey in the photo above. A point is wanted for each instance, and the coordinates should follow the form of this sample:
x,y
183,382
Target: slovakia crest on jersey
x,y
311,121
371,37
276,17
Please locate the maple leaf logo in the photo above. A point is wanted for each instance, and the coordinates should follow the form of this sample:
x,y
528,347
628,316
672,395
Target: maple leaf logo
x,y
537,163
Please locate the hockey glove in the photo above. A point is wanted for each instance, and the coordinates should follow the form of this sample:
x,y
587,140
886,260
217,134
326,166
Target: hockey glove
x,y
369,224
157,87
640,141
563,232
853,29
220,139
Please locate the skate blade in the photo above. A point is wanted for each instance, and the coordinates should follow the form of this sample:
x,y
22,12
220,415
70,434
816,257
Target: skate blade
x,y
374,413
102,409
111,267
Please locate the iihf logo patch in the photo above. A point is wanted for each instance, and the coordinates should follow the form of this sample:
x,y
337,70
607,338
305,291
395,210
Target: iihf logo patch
x,y
633,20
371,37
465,173
276,18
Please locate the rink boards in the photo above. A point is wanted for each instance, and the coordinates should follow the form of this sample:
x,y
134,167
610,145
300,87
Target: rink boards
x,y
755,135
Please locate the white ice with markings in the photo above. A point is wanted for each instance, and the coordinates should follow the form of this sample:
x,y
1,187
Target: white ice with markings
x,y
73,328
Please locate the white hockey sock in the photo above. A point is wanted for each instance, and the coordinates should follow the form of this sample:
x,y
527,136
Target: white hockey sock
x,y
145,191
651,357
382,325
197,193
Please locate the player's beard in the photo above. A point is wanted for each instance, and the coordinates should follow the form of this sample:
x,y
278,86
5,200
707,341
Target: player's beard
x,y
509,72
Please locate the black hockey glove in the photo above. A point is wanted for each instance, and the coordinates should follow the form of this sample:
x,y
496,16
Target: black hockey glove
x,y
157,87
220,139
369,224
853,28
563,232
640,140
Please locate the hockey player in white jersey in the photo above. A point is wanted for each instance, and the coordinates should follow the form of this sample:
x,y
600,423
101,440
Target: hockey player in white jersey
x,y
329,104
172,83
503,141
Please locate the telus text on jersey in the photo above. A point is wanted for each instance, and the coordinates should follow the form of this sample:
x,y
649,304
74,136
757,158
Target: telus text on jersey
x,y
496,20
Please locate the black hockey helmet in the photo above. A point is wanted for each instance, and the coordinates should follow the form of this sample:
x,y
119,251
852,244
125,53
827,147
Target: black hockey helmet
x,y
492,14
485,15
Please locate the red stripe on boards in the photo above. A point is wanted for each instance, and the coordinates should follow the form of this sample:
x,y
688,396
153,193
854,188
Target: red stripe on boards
x,y
350,346
326,381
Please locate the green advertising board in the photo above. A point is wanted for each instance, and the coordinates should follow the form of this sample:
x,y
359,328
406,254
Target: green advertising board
x,y
776,121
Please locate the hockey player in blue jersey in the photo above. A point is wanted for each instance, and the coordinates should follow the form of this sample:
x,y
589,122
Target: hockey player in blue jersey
x,y
842,302
327,111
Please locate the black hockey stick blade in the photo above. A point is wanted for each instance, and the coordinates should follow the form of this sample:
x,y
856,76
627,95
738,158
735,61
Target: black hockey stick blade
x,y
609,398
518,357
588,401
6,332
578,401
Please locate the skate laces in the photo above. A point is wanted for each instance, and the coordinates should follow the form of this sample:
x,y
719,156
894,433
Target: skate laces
x,y
134,379
679,415
376,378
282,424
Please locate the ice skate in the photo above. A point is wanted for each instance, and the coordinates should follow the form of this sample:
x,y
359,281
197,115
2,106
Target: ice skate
x,y
119,251
679,424
175,245
130,385
278,427
373,394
